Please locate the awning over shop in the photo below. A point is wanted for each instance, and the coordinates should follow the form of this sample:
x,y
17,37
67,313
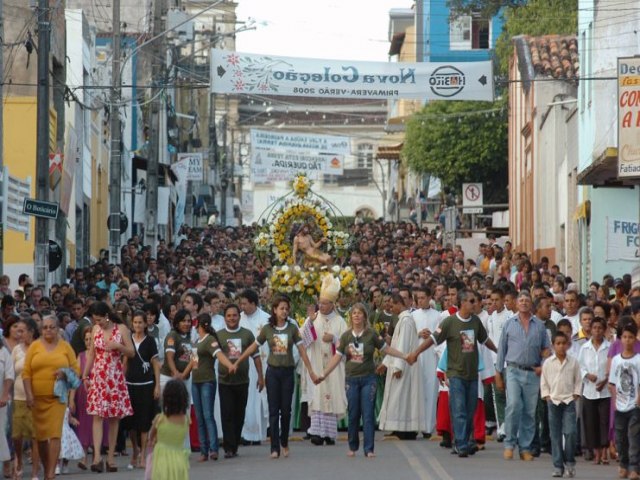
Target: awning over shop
x,y
603,172
389,152
583,211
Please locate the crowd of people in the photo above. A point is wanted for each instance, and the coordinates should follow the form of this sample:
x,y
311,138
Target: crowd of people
x,y
436,341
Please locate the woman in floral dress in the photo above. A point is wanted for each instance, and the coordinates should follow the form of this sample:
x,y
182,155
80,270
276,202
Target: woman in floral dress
x,y
103,375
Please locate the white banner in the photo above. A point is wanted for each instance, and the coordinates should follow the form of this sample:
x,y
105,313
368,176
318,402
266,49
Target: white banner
x,y
628,117
623,241
268,165
15,190
300,142
188,167
235,72
163,205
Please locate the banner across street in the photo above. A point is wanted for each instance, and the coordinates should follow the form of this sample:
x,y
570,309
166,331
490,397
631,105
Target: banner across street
x,y
236,72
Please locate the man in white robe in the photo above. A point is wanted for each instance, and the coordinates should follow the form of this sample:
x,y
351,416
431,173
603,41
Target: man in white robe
x,y
426,317
256,417
402,410
328,400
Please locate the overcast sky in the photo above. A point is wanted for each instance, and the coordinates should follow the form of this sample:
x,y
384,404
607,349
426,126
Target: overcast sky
x,y
332,29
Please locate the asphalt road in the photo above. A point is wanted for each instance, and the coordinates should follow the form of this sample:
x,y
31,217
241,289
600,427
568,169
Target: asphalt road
x,y
397,460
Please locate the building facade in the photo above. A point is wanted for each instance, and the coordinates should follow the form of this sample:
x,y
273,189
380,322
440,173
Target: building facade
x,y
604,199
543,149
443,37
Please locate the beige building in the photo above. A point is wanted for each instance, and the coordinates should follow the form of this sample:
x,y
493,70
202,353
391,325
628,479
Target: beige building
x,y
543,149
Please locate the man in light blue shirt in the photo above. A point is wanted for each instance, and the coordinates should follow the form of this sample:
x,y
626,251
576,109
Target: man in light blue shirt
x,y
523,344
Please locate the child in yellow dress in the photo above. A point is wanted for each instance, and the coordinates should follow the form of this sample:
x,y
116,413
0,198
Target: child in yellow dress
x,y
168,432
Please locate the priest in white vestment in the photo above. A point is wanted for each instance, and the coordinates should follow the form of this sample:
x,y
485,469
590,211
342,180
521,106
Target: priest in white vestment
x,y
256,417
426,317
402,410
328,400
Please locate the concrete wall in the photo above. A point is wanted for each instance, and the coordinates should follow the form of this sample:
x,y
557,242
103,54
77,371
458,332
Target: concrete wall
x,y
19,157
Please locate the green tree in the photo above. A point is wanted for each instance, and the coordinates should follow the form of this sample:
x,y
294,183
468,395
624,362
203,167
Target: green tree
x,y
535,18
460,141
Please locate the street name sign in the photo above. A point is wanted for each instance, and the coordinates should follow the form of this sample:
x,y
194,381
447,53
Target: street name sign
x,y
39,208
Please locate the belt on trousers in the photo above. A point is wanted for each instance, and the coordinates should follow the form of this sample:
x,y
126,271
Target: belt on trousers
x,y
520,367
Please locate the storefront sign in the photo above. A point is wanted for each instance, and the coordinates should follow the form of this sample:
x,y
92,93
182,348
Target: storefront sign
x,y
623,239
235,72
629,117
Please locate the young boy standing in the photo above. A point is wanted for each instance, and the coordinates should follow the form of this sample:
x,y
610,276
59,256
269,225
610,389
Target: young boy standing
x,y
624,377
560,387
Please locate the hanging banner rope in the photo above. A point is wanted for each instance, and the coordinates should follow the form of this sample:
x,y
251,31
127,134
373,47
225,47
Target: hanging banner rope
x,y
235,72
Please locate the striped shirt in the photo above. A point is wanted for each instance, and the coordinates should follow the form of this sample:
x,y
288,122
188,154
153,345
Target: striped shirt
x,y
520,348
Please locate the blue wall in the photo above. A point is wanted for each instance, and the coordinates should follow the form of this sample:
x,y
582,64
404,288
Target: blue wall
x,y
436,24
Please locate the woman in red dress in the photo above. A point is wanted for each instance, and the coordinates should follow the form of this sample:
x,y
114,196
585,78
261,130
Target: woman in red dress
x,y
103,374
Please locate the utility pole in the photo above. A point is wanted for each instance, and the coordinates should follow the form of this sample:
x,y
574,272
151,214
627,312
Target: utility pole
x,y
213,137
188,216
151,223
116,142
2,200
42,142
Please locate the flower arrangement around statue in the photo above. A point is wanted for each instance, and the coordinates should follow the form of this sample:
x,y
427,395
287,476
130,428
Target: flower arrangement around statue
x,y
304,245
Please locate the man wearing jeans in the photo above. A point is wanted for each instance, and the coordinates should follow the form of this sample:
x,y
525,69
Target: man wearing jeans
x,y
462,332
523,344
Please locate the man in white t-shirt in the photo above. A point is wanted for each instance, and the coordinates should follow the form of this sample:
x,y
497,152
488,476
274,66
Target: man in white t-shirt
x,y
494,326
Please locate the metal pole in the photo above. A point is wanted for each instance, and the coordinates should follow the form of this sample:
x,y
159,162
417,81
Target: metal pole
x,y
232,172
223,174
42,144
151,223
4,178
116,152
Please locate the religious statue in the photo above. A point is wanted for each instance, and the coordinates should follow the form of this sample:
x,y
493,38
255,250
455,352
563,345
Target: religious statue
x,y
304,242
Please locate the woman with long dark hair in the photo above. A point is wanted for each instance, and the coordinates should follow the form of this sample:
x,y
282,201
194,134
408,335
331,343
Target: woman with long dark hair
x,y
357,346
107,394
281,335
143,383
203,387
177,351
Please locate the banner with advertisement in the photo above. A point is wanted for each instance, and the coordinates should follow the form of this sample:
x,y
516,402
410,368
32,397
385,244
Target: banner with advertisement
x,y
623,240
189,167
304,142
629,117
269,165
237,73
279,156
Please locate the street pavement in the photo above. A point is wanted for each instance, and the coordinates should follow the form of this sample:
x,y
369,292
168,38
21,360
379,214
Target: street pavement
x,y
398,460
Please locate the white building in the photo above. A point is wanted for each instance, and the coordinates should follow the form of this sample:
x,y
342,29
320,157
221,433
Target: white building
x,y
605,34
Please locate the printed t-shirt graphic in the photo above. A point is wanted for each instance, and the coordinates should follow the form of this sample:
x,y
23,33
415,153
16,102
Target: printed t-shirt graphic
x,y
280,344
235,348
467,339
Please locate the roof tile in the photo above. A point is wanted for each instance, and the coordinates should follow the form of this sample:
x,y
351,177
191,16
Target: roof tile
x,y
555,56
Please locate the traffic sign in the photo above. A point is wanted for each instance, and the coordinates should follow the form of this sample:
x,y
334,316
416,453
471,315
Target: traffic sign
x,y
39,208
472,198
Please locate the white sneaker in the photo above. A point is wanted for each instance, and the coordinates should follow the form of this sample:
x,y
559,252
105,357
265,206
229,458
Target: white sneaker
x,y
57,469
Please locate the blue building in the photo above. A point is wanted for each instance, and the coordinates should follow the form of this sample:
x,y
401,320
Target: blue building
x,y
445,38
